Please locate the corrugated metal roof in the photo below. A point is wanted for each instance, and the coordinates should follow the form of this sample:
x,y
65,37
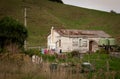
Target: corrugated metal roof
x,y
81,33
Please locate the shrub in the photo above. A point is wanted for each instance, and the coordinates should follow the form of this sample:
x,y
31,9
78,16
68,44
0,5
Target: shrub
x,y
32,52
49,58
75,53
12,34
59,1
117,75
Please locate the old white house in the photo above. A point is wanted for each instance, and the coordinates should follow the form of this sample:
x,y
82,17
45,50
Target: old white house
x,y
67,40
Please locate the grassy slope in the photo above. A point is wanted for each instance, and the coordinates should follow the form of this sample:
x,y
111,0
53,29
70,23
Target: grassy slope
x,y
43,14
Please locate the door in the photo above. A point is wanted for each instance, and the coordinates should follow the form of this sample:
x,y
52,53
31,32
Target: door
x,y
93,46
90,46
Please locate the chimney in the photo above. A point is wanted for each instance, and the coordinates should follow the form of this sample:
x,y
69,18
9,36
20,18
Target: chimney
x,y
52,34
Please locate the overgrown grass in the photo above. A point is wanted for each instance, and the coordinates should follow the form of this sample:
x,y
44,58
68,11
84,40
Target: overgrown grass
x,y
98,59
19,66
103,61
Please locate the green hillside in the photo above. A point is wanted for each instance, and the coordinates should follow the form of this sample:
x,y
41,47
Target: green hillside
x,y
43,14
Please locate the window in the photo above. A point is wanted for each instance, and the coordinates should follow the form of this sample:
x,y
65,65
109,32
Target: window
x,y
75,42
84,43
80,43
59,43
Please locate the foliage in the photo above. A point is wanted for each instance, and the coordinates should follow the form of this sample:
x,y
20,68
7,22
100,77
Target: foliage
x,y
75,53
50,58
117,48
102,50
117,75
32,52
112,11
46,57
59,1
12,32
99,60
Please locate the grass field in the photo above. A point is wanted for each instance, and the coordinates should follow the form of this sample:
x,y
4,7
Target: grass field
x,y
43,14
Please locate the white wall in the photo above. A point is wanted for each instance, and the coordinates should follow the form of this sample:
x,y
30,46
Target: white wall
x,y
67,43
52,39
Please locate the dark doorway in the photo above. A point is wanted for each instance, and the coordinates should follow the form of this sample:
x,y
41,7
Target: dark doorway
x,y
90,46
93,46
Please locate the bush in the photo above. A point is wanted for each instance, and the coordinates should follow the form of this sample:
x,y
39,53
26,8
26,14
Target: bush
x,y
49,58
59,1
102,51
12,34
75,53
32,52
117,75
117,48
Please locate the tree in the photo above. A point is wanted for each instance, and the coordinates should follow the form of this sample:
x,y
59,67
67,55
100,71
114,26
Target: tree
x,y
12,34
112,11
59,1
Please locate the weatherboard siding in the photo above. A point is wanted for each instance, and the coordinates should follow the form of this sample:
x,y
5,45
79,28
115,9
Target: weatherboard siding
x,y
72,40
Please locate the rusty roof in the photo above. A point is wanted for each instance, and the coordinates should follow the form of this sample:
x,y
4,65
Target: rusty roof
x,y
81,33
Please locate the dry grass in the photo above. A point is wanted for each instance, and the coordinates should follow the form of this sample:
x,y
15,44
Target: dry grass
x,y
19,66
